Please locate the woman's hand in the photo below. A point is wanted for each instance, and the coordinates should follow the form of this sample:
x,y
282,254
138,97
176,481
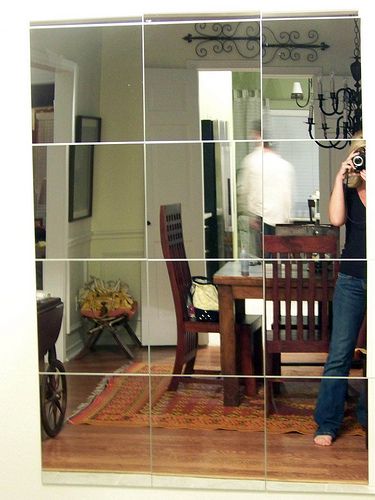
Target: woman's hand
x,y
362,173
347,168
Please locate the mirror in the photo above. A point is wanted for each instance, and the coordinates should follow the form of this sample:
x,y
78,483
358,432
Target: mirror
x,y
104,51
176,127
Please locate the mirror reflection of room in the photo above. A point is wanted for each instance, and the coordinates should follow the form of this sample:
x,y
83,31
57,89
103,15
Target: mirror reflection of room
x,y
179,121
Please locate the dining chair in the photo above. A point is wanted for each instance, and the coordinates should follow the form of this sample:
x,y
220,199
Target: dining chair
x,y
173,248
303,277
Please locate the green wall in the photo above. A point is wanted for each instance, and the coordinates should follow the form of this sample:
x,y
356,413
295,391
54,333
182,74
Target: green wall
x,y
277,90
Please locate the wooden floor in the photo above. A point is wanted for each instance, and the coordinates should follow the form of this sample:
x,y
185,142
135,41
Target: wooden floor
x,y
213,454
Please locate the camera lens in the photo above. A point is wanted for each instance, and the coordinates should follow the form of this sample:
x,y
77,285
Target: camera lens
x,y
359,160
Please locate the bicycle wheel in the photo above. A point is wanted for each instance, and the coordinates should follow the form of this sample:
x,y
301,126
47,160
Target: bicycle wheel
x,y
53,398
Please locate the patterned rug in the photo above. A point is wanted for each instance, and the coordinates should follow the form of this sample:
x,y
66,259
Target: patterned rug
x,y
123,400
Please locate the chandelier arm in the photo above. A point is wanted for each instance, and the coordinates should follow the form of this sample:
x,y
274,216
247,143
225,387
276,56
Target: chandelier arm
x,y
302,105
338,128
344,90
331,144
328,113
345,143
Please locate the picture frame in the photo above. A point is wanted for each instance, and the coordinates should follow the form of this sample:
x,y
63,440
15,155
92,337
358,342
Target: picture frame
x,y
88,128
81,167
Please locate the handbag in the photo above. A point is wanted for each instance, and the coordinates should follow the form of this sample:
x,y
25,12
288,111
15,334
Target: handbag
x,y
205,299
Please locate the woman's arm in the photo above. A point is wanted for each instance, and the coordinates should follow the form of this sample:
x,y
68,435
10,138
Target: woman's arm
x,y
336,207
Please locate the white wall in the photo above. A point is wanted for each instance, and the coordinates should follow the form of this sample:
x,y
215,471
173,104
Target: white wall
x,y
20,475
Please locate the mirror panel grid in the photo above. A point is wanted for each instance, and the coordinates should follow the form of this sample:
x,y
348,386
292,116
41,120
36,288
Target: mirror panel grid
x,y
315,70
203,438
104,206
187,261
99,330
97,424
105,53
186,62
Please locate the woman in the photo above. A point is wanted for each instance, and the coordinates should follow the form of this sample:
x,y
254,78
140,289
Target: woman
x,y
347,206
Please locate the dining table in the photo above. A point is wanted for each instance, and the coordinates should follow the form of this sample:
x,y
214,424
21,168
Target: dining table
x,y
233,288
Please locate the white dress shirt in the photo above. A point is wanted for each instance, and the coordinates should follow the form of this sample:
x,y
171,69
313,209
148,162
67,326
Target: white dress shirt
x,y
268,181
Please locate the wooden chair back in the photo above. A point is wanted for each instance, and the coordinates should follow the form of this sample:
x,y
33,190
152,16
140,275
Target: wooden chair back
x,y
303,278
173,248
296,246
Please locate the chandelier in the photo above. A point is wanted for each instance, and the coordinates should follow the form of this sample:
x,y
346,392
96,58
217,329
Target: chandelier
x,y
344,105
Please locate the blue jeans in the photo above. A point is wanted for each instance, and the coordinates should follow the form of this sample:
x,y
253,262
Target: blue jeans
x,y
349,306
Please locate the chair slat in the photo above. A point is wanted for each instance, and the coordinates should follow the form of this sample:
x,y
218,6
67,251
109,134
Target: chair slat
x,y
276,301
288,300
311,300
299,300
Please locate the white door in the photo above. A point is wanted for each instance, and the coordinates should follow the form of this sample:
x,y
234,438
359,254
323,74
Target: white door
x,y
173,175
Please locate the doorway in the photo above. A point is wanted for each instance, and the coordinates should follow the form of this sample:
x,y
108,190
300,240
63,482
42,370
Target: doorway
x,y
55,80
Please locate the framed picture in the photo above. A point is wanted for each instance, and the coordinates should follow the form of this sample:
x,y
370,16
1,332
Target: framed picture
x,y
88,128
81,167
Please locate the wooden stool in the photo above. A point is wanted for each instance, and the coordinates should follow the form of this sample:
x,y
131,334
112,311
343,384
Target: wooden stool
x,y
112,324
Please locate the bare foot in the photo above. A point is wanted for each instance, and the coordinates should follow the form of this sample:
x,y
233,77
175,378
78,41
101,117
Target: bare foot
x,y
323,440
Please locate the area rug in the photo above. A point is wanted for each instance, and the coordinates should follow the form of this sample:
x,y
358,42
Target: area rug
x,y
132,398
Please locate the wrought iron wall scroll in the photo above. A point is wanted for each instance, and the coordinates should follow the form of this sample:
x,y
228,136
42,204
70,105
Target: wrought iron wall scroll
x,y
246,39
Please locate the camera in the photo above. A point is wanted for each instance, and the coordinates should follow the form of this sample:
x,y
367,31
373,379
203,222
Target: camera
x,y
359,160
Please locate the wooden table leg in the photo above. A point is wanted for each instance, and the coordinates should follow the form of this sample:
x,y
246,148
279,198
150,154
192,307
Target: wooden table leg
x,y
228,346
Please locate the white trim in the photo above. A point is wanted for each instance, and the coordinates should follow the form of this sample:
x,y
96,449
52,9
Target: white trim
x,y
117,235
273,72
74,328
79,240
214,65
51,61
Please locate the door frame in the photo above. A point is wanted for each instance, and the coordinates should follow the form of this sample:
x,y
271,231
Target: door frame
x,y
55,275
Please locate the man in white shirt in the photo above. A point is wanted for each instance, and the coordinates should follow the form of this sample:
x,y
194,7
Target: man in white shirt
x,y
267,180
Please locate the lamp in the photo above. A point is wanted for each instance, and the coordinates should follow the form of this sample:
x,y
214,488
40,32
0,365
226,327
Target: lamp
x,y
344,104
297,93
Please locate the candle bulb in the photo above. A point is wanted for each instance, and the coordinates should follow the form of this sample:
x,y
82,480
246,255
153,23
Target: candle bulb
x,y
323,119
320,86
332,83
